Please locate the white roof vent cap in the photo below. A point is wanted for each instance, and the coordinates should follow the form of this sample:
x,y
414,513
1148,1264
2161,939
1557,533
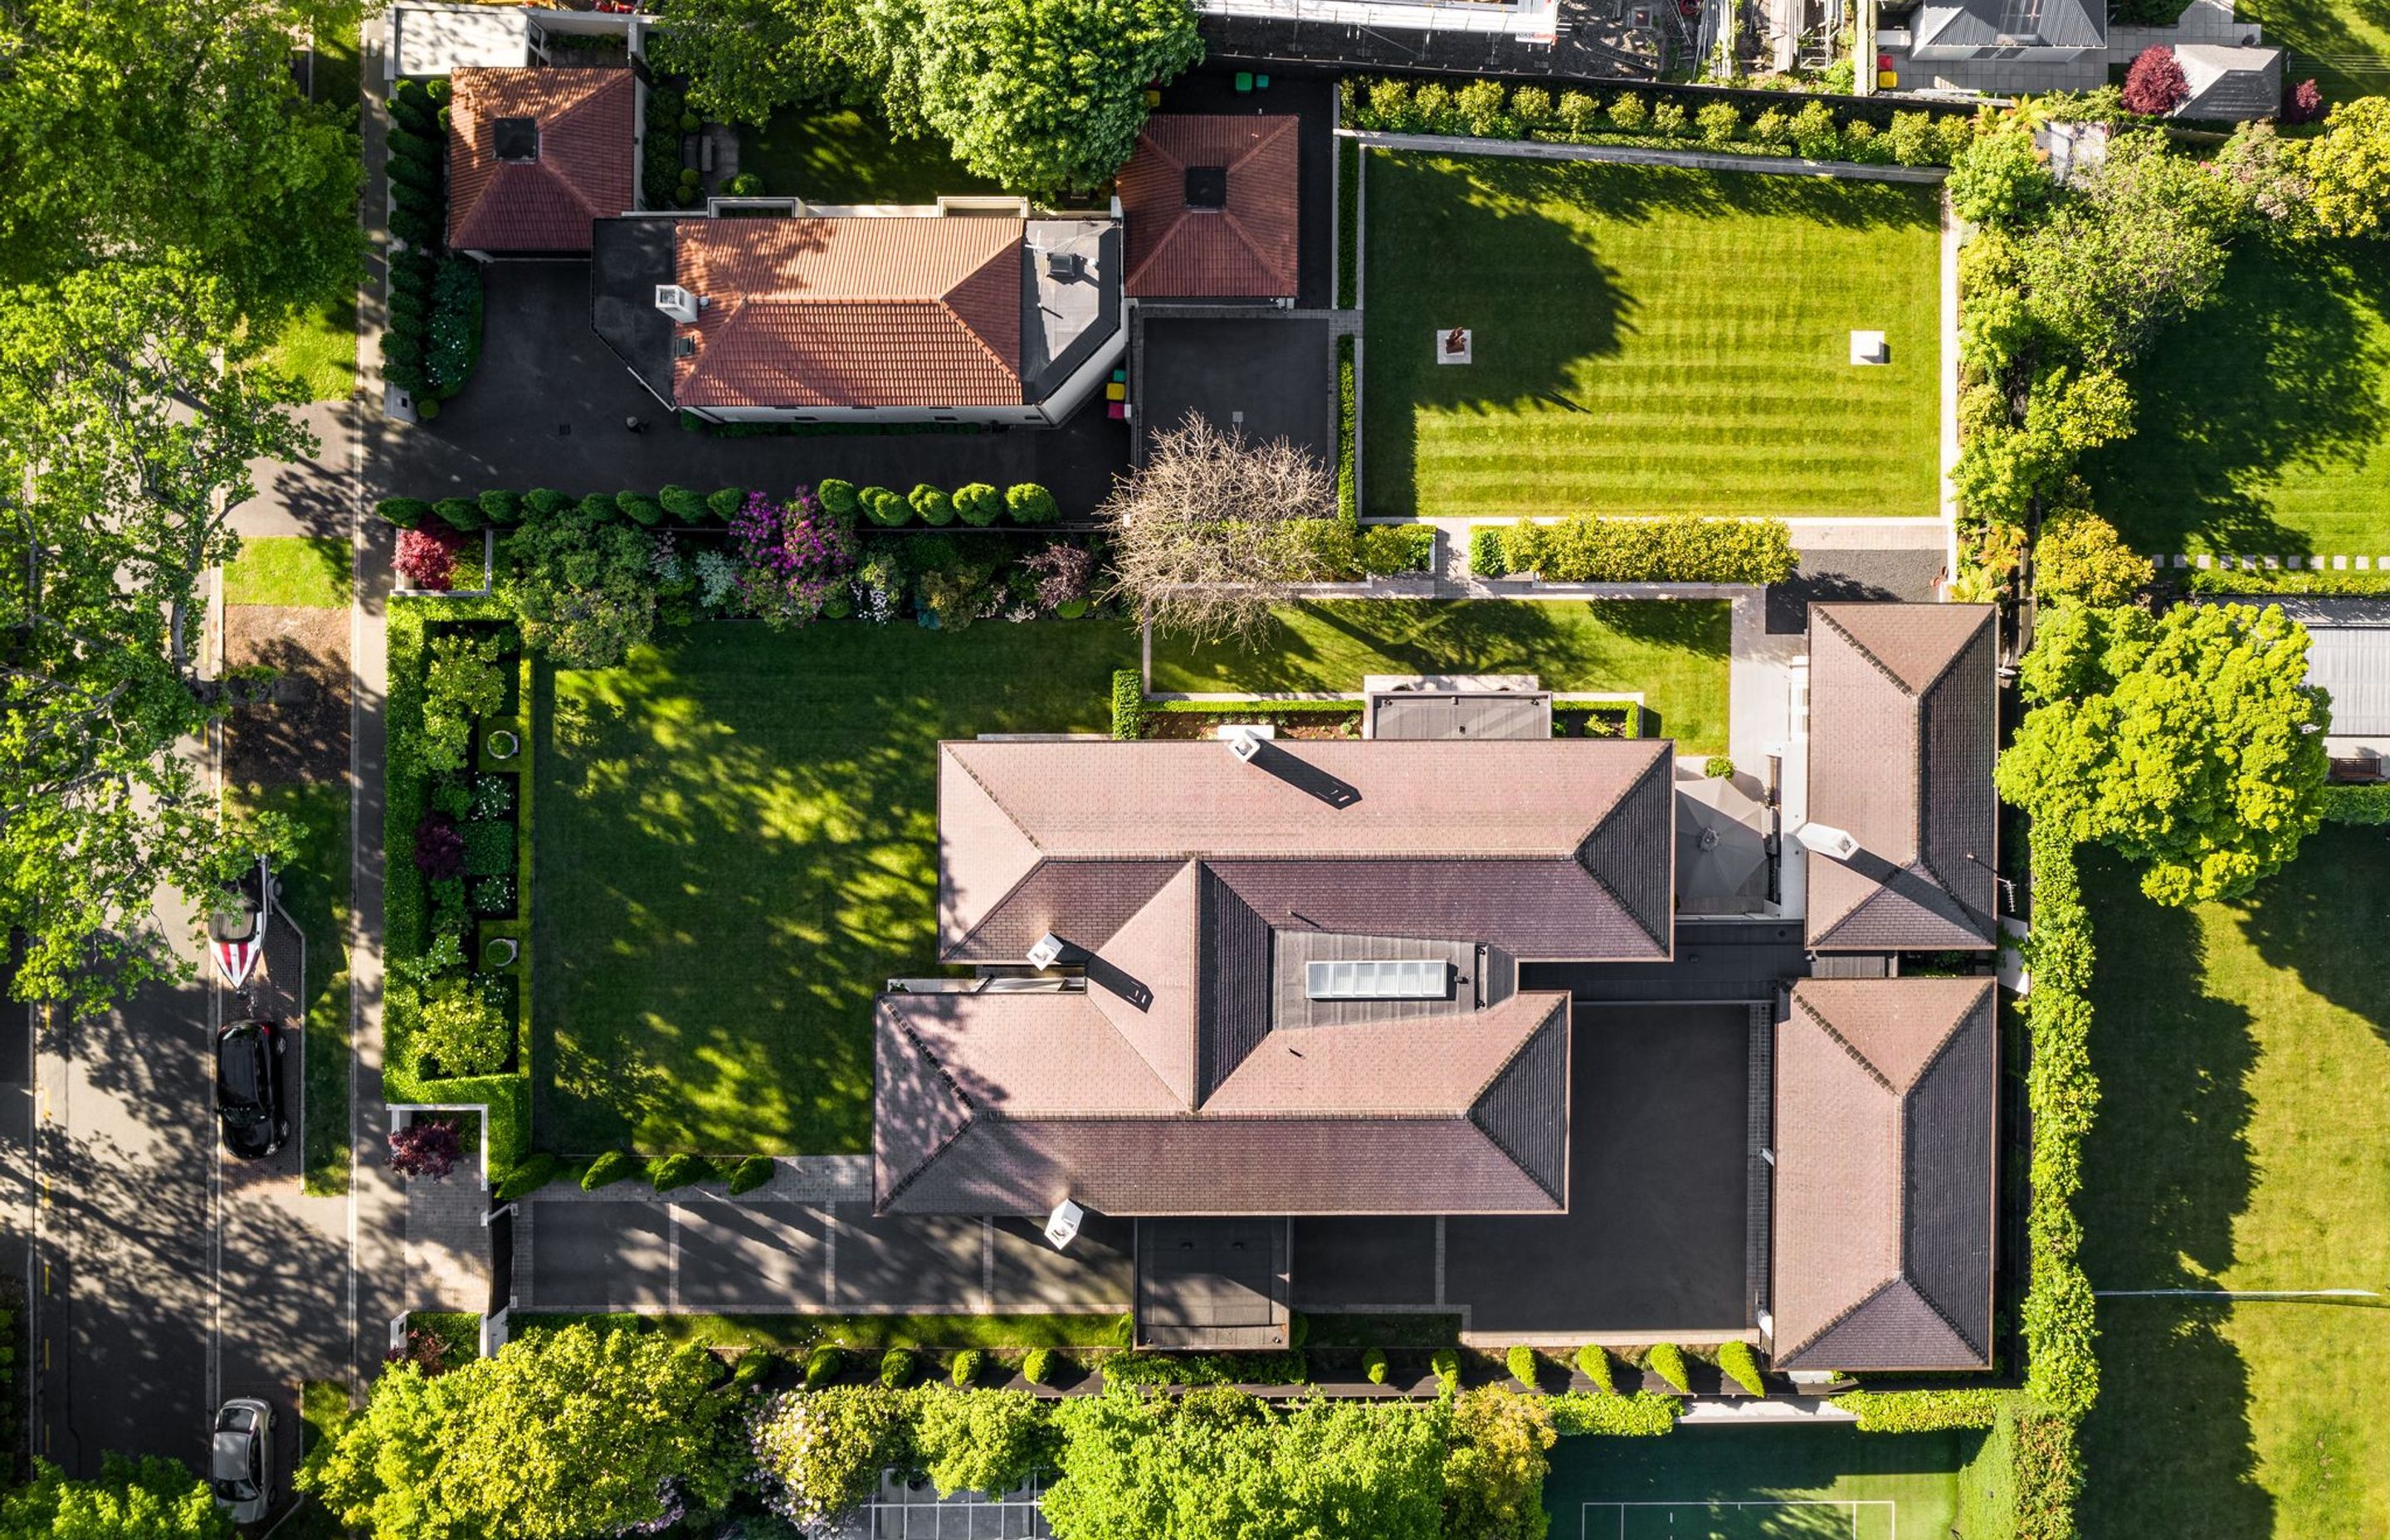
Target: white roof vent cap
x,y
1062,1224
1048,951
1828,840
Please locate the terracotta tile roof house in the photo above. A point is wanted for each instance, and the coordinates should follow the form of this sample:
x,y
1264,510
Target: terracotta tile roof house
x,y
1904,727
1886,1105
536,157
1299,991
814,317
1211,203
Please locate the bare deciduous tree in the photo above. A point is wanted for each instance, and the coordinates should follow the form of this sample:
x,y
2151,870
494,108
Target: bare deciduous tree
x,y
1214,529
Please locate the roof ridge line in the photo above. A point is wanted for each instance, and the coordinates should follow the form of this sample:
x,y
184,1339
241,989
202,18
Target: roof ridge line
x,y
1555,1007
1868,653
970,1108
1862,1061
1576,854
1783,1355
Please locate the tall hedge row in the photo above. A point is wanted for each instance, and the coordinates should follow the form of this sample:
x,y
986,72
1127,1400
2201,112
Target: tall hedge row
x,y
1678,549
432,334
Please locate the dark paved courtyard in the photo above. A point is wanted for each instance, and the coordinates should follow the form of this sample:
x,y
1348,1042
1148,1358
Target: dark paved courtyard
x,y
1268,375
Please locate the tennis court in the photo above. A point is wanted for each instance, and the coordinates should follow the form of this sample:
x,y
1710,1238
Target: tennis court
x,y
1793,1519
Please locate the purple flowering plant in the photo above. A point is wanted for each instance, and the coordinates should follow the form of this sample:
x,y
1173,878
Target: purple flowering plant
x,y
792,556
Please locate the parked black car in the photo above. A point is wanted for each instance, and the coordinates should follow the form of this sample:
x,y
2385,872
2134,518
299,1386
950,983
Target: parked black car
x,y
248,1087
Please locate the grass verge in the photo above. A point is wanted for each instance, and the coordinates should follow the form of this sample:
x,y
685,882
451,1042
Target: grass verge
x,y
736,850
294,572
316,894
1646,339
1674,651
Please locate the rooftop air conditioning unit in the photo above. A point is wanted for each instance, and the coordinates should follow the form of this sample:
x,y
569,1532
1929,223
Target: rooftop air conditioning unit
x,y
1826,840
1047,952
677,303
1062,1224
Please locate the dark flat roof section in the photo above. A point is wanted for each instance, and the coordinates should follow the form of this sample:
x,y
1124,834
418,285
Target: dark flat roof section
x,y
627,259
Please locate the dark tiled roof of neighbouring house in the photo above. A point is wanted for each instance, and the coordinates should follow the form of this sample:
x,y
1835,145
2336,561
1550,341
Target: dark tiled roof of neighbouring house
x,y
575,125
1993,28
1903,728
1190,883
1235,237
1886,1097
852,312
2228,83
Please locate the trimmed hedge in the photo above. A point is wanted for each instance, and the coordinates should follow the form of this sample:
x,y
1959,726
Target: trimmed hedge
x,y
1288,1367
897,1367
1373,1365
1738,1363
1520,1362
837,497
979,504
751,1173
1445,1363
1486,555
678,1171
615,1165
1667,1361
1677,548
822,1366
1593,1362
1643,1415
2346,803
967,1367
1037,1365
1348,481
2061,1369
1128,705
536,1171
2230,582
1388,549
1031,504
407,513
1925,1411
933,507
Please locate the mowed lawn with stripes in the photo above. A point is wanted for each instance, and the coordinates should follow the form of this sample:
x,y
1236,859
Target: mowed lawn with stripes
x,y
1646,339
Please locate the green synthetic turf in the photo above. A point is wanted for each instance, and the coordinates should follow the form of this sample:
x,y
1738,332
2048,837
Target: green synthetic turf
x,y
1794,1483
1646,339
736,850
2262,422
1674,652
2244,1056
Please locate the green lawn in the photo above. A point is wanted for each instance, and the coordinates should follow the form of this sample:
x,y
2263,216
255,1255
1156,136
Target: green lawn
x,y
832,155
2344,44
2243,1055
1800,1481
735,851
1674,652
319,345
315,893
308,571
1646,339
2263,422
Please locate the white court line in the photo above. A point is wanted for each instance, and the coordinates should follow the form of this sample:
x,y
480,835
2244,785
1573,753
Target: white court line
x,y
1849,1505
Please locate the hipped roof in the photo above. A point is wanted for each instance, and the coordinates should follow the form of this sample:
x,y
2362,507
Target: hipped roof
x,y
1247,248
582,172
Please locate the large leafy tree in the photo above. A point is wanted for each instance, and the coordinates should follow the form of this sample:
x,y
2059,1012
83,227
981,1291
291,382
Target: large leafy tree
x,y
136,128
145,1499
2349,166
126,427
1217,1465
2191,743
745,58
1046,96
570,1433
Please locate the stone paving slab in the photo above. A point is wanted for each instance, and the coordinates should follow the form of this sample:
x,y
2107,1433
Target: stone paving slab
x,y
911,1263
601,1256
769,1258
1096,1276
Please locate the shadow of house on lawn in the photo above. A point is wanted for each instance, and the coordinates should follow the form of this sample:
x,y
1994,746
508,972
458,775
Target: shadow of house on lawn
x,y
2286,370
2166,1171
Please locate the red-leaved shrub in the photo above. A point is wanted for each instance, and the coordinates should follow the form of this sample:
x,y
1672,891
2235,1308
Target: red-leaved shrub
x,y
2303,105
2154,85
426,558
430,1147
439,848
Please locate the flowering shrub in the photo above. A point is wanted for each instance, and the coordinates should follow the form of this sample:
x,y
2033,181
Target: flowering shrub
x,y
428,1149
794,555
820,1454
426,558
879,589
718,580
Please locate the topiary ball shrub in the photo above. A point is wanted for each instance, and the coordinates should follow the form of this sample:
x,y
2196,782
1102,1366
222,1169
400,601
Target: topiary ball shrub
x,y
639,507
934,506
838,497
609,1168
1593,1362
1520,1362
1037,1365
1446,1367
822,1366
724,502
897,1366
544,502
1667,1361
1717,767
681,503
531,1173
979,504
1741,1366
690,122
751,1173
502,509
752,1365
1373,1365
461,514
679,1171
405,512
600,508
883,507
1031,504
966,1368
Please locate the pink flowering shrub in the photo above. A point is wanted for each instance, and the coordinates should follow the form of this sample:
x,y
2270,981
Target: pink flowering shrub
x,y
426,558
792,557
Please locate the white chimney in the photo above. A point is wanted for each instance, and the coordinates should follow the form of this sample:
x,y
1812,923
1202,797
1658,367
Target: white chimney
x,y
677,303
1047,952
1826,840
1062,1224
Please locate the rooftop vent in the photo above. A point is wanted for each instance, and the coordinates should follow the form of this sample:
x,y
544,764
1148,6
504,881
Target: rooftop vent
x,y
1826,840
1066,266
677,303
1379,979
1062,1224
1047,952
1207,186
516,138
685,346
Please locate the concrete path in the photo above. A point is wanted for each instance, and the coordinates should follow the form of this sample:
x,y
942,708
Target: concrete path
x,y
1625,155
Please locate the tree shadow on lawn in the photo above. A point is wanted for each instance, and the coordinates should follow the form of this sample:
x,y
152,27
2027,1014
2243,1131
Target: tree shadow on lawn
x,y
737,852
2321,917
2166,1170
2285,367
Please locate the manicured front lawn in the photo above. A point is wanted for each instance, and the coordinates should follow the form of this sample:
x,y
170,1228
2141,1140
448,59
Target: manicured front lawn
x,y
319,347
2243,1056
738,850
835,155
2343,45
1674,652
2263,422
308,571
1646,339
1799,1480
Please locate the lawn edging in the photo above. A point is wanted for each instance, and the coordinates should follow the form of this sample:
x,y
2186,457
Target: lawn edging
x,y
1636,155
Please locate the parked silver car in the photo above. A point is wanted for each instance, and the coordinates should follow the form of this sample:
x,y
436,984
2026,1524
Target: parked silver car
x,y
240,1461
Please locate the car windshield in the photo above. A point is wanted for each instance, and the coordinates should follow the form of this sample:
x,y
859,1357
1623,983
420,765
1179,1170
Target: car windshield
x,y
236,1492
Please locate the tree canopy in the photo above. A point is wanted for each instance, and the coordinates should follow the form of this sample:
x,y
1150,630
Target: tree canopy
x,y
1046,96
569,1433
144,1499
2349,166
745,58
2190,743
126,423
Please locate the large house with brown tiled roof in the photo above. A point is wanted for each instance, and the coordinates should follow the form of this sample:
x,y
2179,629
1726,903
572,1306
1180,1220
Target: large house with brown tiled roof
x,y
976,312
1209,202
537,156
